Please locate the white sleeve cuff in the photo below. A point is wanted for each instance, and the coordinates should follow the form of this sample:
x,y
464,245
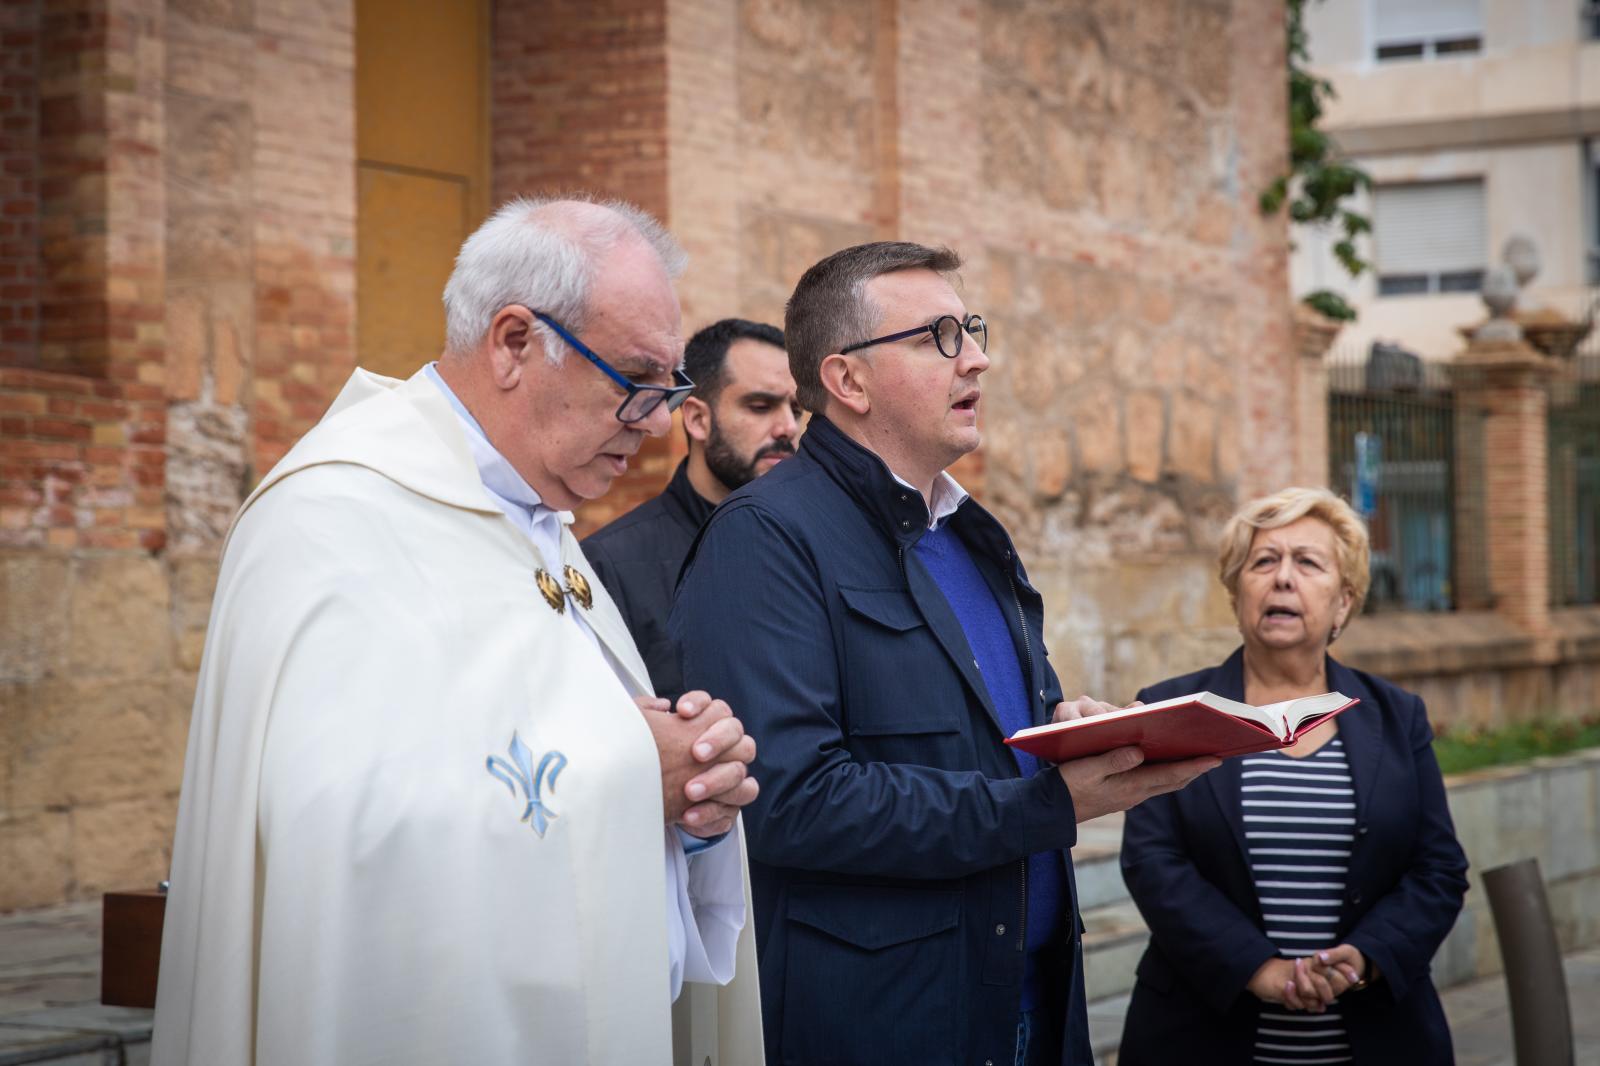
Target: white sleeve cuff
x,y
705,901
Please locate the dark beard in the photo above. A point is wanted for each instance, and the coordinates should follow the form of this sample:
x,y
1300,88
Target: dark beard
x,y
731,468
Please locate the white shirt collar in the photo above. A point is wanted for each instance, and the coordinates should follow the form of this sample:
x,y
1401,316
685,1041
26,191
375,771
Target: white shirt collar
x,y
947,496
501,479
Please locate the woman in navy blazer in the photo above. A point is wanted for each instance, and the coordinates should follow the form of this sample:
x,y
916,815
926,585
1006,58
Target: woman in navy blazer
x,y
1219,982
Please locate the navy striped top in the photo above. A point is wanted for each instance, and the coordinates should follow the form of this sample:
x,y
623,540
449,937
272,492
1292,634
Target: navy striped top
x,y
1299,822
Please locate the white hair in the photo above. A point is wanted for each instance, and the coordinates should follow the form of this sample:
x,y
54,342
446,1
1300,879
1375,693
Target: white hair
x,y
542,253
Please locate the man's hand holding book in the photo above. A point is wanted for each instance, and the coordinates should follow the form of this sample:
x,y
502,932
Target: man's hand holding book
x,y
1117,779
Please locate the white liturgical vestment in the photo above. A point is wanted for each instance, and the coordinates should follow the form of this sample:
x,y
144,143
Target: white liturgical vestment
x,y
717,903
421,815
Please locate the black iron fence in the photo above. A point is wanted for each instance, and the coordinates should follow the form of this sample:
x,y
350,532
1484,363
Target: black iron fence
x,y
1406,450
1395,445
1574,443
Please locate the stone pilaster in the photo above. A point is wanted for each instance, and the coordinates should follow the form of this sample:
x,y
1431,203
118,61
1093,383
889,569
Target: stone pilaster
x,y
1313,335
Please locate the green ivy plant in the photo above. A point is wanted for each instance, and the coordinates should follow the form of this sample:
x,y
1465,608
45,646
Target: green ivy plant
x,y
1317,182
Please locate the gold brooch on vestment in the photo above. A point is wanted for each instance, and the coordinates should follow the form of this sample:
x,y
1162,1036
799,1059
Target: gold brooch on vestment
x,y
551,591
578,585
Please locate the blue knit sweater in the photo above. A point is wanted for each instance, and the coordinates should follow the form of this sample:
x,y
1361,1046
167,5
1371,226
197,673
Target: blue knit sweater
x,y
974,604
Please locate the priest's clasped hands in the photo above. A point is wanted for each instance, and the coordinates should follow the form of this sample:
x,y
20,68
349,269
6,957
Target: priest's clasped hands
x,y
705,756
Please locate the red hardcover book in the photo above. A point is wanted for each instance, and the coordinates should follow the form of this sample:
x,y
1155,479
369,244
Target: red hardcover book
x,y
1183,727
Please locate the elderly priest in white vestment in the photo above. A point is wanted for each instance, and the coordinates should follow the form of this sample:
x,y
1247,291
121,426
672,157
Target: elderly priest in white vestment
x,y
431,812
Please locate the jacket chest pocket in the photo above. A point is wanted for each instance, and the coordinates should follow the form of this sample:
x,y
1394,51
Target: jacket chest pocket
x,y
897,678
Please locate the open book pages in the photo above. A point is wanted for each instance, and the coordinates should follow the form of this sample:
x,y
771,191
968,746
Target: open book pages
x,y
1282,720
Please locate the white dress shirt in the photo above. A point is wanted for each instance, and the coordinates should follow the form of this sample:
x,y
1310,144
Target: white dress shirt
x,y
947,496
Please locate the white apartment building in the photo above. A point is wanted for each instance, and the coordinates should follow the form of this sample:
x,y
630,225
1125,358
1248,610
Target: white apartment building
x,y
1477,120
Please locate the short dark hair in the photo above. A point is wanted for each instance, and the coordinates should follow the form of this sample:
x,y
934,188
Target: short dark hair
x,y
829,308
706,355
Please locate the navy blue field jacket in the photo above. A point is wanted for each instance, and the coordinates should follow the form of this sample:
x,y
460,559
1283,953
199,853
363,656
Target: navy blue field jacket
x,y
889,844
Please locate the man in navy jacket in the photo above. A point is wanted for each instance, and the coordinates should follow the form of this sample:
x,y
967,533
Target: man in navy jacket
x,y
912,875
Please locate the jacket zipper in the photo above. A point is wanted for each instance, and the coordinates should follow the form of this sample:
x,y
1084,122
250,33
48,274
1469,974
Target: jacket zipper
x,y
1027,651
1022,925
1022,620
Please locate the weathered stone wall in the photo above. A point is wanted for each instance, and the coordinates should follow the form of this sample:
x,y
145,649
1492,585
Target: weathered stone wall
x,y
195,297
1149,387
1097,168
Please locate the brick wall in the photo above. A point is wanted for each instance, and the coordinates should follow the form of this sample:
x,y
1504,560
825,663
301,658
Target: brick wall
x,y
134,191
579,99
81,463
83,435
578,102
302,110
1505,385
73,165
19,182
1518,539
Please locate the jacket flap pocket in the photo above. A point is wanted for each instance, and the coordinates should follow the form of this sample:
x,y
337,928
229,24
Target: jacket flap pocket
x,y
890,608
872,917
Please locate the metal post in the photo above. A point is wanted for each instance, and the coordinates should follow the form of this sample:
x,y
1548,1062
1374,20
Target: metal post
x,y
1541,1020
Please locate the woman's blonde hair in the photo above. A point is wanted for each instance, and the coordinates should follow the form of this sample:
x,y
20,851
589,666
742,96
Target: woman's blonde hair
x,y
1291,505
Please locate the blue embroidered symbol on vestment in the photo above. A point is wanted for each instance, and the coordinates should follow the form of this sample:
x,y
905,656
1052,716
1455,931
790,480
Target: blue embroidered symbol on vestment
x,y
520,771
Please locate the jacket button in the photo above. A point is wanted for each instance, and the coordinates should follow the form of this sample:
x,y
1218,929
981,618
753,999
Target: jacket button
x,y
1355,897
1000,930
988,1062
905,523
1361,830
1041,695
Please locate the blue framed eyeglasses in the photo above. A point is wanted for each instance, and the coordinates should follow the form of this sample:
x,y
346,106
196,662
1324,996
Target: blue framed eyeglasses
x,y
948,332
640,400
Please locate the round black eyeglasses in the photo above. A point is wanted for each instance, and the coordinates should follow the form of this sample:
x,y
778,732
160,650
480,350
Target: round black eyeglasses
x,y
948,332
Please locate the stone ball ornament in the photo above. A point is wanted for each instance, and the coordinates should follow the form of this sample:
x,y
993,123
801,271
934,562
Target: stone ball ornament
x,y
1500,295
1521,254
1499,290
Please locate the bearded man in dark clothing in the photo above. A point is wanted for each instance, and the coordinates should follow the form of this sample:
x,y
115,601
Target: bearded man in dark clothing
x,y
742,420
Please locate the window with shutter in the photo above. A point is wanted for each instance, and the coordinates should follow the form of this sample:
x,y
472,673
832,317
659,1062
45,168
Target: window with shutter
x,y
1429,237
1422,29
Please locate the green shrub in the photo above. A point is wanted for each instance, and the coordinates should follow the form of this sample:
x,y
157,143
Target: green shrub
x,y
1473,749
